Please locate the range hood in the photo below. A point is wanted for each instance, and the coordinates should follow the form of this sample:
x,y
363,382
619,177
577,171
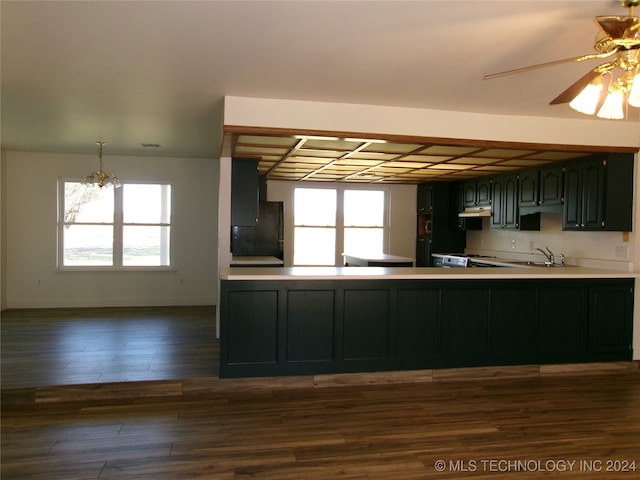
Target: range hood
x,y
476,212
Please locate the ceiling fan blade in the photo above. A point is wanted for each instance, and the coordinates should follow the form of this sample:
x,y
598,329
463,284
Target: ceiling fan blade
x,y
571,92
619,27
549,64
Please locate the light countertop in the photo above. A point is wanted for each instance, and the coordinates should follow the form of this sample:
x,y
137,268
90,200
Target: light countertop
x,y
380,257
256,260
420,273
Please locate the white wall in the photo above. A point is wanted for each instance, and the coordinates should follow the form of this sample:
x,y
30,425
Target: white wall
x,y
29,256
402,216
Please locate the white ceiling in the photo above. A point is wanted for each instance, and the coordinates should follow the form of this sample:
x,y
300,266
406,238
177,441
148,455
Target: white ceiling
x,y
156,71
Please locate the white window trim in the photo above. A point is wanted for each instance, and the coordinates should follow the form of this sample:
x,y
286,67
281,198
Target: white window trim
x,y
118,232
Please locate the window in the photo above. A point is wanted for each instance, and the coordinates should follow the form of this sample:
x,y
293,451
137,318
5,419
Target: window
x,y
107,227
330,221
314,217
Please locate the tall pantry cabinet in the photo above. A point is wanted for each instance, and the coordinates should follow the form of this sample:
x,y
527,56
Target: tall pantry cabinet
x,y
435,232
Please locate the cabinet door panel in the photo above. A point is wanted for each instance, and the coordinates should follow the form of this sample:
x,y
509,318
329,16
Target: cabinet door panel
x,y
593,195
551,186
483,195
510,209
418,323
610,319
366,328
560,333
465,335
310,325
528,189
572,215
469,194
244,192
497,208
252,327
512,320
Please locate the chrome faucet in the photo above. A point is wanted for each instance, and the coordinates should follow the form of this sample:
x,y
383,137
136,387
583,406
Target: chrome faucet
x,y
549,256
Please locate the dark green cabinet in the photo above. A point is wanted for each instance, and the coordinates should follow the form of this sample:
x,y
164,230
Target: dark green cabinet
x,y
551,189
504,194
435,233
311,324
598,193
308,327
464,338
423,251
610,319
541,190
512,324
366,324
561,322
476,193
458,205
418,330
528,188
252,337
244,192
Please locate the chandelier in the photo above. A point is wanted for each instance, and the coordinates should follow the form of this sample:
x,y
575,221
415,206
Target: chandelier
x,y
102,178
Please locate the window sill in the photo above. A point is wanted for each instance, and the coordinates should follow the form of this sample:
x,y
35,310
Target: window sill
x,y
116,269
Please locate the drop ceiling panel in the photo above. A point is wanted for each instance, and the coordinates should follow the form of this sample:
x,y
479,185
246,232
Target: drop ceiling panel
x,y
344,158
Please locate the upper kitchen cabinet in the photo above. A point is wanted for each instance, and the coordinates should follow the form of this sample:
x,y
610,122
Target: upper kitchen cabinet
x,y
599,193
476,193
458,190
504,194
541,190
551,186
244,191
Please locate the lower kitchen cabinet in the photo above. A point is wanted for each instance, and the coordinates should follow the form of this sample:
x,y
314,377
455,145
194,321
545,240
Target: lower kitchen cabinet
x,y
252,337
610,320
512,324
418,323
301,327
561,324
464,336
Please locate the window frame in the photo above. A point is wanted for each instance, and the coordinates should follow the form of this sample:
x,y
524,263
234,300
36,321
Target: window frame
x,y
340,226
118,230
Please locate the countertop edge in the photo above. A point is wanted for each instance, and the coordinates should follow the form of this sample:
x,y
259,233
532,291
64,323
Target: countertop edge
x,y
420,273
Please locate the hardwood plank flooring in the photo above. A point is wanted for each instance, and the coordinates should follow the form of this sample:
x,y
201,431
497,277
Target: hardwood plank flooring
x,y
102,345
532,427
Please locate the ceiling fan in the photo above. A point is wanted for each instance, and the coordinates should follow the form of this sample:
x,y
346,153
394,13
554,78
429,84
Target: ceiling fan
x,y
617,40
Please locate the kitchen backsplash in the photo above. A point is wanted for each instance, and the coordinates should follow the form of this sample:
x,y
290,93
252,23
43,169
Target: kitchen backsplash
x,y
605,249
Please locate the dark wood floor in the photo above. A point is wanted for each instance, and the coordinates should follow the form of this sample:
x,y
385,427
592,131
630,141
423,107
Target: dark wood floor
x,y
582,427
85,346
108,425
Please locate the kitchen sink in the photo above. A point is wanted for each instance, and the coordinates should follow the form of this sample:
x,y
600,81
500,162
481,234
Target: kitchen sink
x,y
536,264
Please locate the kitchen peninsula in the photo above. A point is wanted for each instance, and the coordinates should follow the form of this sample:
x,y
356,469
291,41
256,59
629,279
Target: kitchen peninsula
x,y
316,320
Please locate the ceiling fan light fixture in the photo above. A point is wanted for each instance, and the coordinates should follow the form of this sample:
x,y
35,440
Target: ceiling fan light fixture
x,y
612,108
587,100
634,93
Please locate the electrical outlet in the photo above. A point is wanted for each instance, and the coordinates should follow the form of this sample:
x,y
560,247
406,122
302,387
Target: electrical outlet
x,y
531,246
622,251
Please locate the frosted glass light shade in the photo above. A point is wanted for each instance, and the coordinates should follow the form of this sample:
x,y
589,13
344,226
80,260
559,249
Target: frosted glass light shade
x,y
587,100
634,94
612,107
